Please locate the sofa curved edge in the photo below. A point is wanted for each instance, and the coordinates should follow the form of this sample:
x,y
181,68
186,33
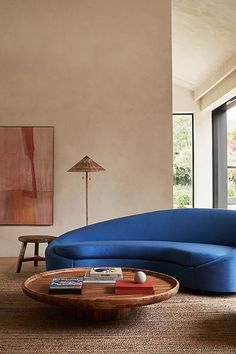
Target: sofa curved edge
x,y
196,220
213,278
53,261
219,273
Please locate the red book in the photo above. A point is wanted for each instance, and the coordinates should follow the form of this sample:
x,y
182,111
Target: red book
x,y
129,287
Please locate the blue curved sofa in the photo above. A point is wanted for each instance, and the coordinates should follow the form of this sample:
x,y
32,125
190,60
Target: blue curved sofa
x,y
197,246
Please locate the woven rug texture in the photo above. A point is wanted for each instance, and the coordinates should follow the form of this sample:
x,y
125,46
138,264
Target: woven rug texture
x,y
190,322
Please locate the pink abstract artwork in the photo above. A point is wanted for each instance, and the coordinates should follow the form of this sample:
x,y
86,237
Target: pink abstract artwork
x,y
26,175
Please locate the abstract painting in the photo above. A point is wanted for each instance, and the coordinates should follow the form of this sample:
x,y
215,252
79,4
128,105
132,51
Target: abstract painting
x,y
26,175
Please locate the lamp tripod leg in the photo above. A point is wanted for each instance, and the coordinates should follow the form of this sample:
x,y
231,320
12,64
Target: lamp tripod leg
x,y
86,197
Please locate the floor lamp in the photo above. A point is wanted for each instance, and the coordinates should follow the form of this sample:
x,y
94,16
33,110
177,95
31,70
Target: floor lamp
x,y
86,165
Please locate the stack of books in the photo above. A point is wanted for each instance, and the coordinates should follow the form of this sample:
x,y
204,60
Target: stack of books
x,y
103,275
129,287
66,285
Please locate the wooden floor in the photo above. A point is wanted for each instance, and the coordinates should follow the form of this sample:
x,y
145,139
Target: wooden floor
x,y
187,323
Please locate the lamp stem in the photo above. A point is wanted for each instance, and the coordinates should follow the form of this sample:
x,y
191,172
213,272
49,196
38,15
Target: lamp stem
x,y
86,173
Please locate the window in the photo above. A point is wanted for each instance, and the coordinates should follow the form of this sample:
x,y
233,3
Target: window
x,y
224,155
231,155
183,160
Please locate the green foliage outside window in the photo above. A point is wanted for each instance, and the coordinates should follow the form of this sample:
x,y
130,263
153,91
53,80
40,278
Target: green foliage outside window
x,y
182,161
231,189
232,162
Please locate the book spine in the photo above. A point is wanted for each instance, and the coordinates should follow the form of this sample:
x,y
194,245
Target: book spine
x,y
113,277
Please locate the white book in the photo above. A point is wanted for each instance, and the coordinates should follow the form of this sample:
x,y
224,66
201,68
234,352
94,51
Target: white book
x,y
106,273
88,280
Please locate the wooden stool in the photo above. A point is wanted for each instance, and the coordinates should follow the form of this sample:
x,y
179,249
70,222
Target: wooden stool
x,y
32,239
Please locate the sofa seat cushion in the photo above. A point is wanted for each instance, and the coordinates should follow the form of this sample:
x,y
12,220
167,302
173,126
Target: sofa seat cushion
x,y
184,253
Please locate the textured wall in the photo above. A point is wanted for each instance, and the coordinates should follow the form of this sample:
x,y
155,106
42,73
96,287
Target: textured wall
x,y
99,72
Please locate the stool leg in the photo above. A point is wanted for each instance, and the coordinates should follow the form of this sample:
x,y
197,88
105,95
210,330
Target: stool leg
x,y
21,256
36,253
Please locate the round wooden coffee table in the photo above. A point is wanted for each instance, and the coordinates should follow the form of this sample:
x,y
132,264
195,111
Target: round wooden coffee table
x,y
98,301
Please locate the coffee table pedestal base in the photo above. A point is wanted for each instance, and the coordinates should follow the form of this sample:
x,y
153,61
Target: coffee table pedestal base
x,y
103,315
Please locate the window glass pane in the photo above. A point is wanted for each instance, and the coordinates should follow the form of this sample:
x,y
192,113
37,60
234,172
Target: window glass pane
x,y
182,161
231,156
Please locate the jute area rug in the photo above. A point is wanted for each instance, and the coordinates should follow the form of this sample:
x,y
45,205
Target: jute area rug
x,y
190,322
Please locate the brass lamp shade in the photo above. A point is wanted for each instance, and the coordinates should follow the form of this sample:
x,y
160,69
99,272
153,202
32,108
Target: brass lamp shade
x,y
86,165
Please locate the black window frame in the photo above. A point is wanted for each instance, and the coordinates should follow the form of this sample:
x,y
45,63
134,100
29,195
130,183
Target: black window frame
x,y
219,155
193,151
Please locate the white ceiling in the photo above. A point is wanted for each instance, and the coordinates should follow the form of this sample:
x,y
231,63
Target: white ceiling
x,y
204,38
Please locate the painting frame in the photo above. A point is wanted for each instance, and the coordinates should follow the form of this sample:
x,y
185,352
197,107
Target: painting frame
x,y
26,175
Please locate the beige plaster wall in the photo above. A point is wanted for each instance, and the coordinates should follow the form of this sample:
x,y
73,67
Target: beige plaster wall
x,y
99,71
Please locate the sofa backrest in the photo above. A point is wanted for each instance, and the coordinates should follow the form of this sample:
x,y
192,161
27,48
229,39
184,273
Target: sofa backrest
x,y
216,226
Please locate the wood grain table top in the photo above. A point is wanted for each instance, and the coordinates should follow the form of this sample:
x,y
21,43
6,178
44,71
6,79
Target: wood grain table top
x,y
98,296
36,238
